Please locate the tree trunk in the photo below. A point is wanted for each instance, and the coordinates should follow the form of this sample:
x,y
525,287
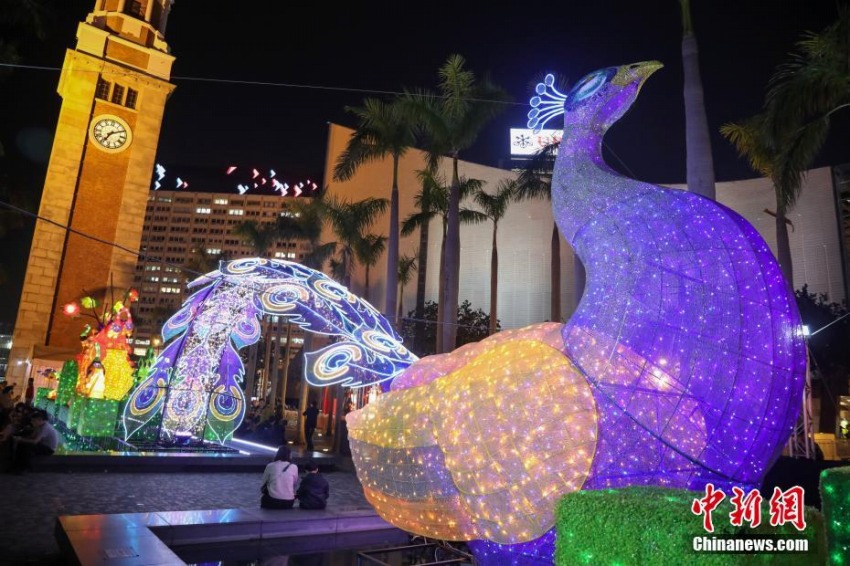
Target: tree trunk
x,y
783,247
392,248
452,263
366,288
274,371
339,414
266,367
700,164
441,296
306,347
287,353
421,281
494,282
555,281
400,305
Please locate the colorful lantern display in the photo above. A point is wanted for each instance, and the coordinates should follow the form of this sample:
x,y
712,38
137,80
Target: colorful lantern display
x,y
105,371
194,383
684,363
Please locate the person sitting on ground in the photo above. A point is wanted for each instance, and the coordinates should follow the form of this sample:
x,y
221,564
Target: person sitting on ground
x,y
43,441
279,480
314,490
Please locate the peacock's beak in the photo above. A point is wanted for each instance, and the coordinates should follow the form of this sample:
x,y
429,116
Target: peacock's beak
x,y
636,73
643,70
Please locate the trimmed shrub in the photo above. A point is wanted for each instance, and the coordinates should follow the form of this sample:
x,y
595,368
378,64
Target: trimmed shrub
x,y
652,525
835,499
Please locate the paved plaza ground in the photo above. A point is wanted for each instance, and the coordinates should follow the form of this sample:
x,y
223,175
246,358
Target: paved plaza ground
x,y
30,503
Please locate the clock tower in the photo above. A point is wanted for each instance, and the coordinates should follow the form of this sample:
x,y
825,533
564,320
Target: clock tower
x,y
114,86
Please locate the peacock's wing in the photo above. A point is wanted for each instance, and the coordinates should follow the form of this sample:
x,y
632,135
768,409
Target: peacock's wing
x,y
483,451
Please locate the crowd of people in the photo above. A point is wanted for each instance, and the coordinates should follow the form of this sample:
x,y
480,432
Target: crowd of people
x,y
25,431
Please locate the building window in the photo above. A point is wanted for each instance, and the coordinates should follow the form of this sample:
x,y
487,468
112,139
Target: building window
x,y
118,94
134,8
220,201
213,251
102,90
132,97
201,210
236,212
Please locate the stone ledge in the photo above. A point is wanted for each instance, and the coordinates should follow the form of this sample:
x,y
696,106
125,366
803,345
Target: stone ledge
x,y
144,538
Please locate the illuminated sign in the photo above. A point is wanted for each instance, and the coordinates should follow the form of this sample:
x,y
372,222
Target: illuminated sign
x,y
525,141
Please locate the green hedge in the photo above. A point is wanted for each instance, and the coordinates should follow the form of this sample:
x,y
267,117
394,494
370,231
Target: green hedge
x,y
652,525
835,501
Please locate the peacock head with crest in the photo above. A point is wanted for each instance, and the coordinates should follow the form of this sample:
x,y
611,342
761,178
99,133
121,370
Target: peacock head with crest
x,y
597,101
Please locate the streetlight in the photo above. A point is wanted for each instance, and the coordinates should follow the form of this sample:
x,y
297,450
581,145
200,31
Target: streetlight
x,y
156,342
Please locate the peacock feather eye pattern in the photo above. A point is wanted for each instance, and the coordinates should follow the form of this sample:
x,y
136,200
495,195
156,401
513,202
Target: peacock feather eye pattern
x,y
194,389
548,103
588,86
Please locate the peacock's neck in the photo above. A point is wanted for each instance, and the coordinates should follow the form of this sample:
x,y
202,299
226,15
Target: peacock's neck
x,y
583,186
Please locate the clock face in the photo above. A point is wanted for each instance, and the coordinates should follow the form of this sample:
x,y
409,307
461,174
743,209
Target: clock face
x,y
110,133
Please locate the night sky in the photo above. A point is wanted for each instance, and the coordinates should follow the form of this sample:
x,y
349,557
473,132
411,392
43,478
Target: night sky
x,y
389,46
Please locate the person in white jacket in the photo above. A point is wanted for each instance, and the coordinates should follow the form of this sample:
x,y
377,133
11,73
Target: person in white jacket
x,y
279,481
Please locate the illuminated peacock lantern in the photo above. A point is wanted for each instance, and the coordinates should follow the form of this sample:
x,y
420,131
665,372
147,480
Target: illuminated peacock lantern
x,y
683,364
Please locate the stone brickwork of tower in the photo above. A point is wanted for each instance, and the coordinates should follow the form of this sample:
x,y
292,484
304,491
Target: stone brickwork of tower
x,y
114,85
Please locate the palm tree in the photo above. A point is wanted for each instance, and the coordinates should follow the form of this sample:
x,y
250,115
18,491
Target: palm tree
x,y
802,96
700,164
535,182
384,129
428,202
304,222
451,121
433,199
368,251
406,267
349,221
782,142
494,207
260,237
201,262
753,141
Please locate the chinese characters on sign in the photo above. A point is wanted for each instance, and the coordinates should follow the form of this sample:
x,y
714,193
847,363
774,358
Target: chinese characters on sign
x,y
526,142
785,507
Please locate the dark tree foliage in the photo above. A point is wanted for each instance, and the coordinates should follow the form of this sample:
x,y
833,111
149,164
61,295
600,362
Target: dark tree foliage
x,y
829,350
472,327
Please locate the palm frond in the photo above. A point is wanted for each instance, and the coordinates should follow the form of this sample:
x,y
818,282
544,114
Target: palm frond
x,y
414,221
750,141
470,216
793,161
406,267
535,180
